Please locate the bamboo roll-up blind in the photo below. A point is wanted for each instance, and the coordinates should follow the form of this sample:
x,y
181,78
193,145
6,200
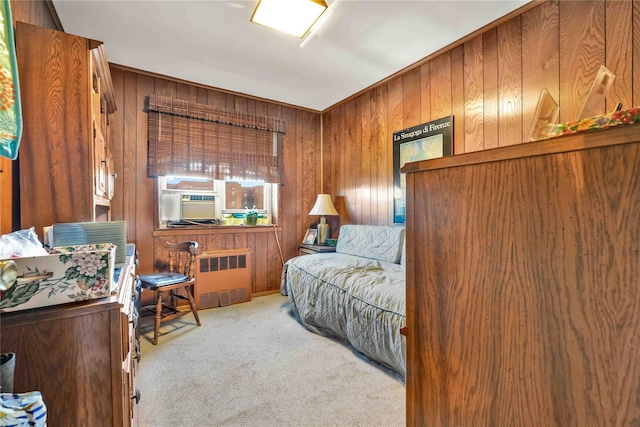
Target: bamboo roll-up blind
x,y
190,139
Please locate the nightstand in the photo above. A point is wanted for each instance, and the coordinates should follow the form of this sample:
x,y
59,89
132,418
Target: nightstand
x,y
304,249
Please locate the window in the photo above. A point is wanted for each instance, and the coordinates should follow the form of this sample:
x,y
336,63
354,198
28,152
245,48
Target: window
x,y
202,200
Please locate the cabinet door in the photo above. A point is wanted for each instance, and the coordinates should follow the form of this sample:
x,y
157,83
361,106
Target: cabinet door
x,y
56,167
100,161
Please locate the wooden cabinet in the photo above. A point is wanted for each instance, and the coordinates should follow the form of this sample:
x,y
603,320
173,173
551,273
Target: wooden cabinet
x,y
67,97
82,357
523,305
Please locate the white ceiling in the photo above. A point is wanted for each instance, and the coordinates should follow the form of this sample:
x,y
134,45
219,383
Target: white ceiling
x,y
355,44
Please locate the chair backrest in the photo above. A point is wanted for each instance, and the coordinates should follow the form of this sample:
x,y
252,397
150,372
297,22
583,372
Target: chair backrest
x,y
182,257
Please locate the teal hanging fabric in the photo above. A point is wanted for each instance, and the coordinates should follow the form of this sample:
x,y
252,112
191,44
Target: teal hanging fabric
x,y
10,112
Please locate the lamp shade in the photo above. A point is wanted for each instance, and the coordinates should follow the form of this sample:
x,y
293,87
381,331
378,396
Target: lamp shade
x,y
323,206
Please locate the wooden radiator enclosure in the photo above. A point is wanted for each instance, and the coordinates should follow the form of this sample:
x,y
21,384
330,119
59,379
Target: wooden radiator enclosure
x,y
523,296
223,278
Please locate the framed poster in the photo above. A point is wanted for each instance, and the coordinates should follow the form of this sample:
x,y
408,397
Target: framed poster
x,y
423,142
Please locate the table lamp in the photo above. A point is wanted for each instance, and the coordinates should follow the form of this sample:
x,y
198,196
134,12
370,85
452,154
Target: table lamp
x,y
323,206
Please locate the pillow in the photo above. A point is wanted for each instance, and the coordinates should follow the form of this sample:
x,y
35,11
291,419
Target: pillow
x,y
381,242
155,280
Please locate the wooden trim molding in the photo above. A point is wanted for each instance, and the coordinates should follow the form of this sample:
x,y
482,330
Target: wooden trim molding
x,y
621,135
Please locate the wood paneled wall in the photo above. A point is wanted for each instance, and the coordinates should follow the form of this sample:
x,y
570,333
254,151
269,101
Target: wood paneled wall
x,y
263,242
36,13
134,195
490,84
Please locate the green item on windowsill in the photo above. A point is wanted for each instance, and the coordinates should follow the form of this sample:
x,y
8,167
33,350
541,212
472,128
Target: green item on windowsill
x,y
251,217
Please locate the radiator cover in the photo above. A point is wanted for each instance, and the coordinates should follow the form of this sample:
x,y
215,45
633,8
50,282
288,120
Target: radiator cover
x,y
223,278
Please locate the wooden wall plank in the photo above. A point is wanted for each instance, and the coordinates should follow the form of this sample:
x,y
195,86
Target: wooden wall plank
x,y
262,263
619,52
251,243
274,262
374,143
342,148
457,99
6,196
33,12
301,217
144,186
636,54
411,99
349,158
129,157
490,97
357,157
510,83
395,110
385,161
331,137
473,95
216,242
441,86
365,159
540,59
216,98
581,53
309,171
425,92
288,189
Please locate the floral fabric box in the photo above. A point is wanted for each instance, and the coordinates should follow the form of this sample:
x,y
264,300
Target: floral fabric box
x,y
68,274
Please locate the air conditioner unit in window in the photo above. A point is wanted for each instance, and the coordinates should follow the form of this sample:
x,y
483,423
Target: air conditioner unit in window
x,y
223,278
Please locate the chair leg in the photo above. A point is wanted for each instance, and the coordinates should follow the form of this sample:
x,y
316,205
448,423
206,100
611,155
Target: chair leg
x,y
158,316
192,303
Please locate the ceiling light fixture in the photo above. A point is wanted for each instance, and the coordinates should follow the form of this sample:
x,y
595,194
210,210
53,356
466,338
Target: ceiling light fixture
x,y
293,17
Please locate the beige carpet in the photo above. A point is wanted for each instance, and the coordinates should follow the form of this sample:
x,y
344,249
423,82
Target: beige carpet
x,y
253,364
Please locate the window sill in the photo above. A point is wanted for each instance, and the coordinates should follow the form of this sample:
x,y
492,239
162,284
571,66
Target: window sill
x,y
216,229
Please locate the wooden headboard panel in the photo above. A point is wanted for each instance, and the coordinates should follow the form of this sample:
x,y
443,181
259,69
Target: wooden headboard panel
x,y
523,284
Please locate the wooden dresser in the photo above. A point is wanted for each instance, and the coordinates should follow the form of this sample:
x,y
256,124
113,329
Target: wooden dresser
x,y
523,284
82,357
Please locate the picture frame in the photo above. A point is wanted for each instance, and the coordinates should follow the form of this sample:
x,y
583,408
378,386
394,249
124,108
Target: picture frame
x,y
423,142
594,103
544,117
310,236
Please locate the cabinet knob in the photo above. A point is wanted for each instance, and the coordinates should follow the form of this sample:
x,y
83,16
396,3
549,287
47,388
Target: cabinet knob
x,y
136,396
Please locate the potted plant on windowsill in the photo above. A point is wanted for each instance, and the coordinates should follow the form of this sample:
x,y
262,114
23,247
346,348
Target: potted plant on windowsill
x,y
251,217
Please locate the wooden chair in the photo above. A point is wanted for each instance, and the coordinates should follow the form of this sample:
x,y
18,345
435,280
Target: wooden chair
x,y
179,278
